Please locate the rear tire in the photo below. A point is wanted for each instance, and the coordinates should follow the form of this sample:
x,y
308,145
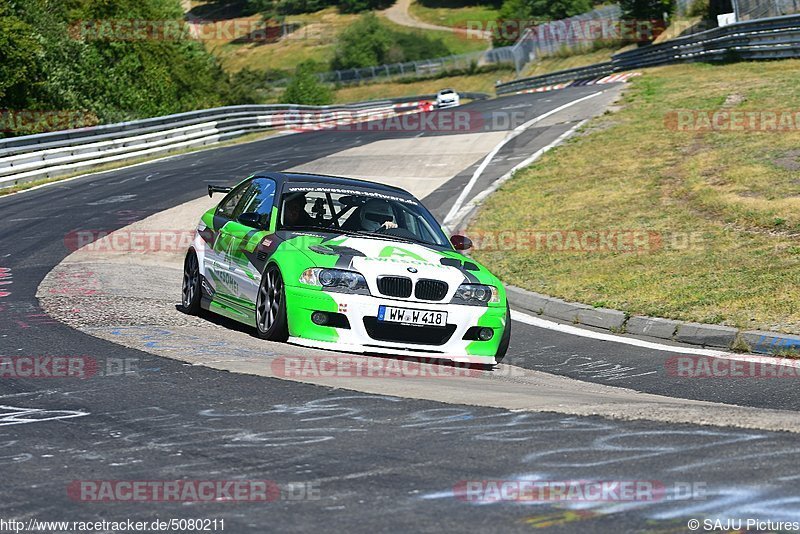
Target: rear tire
x,y
506,339
271,322
190,290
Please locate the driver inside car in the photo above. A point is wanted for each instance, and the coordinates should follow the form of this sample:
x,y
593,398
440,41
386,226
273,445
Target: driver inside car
x,y
294,213
377,215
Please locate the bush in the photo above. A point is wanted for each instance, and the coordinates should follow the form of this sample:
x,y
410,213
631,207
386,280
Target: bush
x,y
368,43
544,9
56,66
253,87
305,88
363,44
296,7
18,53
541,10
698,8
646,9
357,6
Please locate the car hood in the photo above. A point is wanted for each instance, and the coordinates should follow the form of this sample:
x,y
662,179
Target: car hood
x,y
374,257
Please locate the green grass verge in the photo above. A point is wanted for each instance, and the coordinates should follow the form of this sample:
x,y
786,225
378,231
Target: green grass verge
x,y
736,194
455,17
457,43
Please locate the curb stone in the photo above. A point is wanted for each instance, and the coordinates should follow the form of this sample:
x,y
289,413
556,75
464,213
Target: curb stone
x,y
717,336
651,326
706,334
764,342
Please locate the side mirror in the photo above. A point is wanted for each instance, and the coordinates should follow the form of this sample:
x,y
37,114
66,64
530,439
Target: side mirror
x,y
251,219
461,242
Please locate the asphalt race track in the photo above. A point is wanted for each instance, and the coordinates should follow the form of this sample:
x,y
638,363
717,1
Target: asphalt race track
x,y
345,459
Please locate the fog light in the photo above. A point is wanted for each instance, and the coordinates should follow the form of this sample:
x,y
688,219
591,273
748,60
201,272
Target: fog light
x,y
485,334
320,318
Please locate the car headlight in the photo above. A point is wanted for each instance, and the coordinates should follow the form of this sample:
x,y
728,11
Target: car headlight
x,y
475,294
335,280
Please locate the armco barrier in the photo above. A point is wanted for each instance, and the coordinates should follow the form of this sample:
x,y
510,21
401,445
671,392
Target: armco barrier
x,y
35,157
774,38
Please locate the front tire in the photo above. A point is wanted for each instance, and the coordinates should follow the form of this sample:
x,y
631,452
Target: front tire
x,y
506,339
271,322
190,289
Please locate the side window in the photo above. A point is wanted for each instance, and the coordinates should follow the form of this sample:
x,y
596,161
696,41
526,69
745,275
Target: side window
x,y
227,207
259,199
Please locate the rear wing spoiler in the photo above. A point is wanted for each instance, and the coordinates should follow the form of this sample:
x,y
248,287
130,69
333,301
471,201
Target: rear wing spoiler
x,y
218,189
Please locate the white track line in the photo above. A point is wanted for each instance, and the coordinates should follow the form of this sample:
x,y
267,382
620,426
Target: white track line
x,y
480,197
488,159
601,336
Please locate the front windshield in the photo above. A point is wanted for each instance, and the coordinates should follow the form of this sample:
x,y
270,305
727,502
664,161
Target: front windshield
x,y
358,211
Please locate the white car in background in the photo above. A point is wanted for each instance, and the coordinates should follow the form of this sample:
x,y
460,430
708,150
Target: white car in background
x,y
447,98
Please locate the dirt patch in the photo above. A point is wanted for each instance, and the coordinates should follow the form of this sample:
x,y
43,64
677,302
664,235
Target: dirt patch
x,y
789,160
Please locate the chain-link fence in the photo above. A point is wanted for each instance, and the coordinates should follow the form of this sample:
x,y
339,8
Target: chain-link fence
x,y
559,36
426,67
759,9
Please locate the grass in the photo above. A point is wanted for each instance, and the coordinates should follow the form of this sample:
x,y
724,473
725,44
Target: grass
x,y
315,40
724,205
455,17
456,43
553,64
482,82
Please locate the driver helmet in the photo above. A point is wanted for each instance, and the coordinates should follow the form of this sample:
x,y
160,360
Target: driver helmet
x,y
374,213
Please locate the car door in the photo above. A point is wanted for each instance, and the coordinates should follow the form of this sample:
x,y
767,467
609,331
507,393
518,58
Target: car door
x,y
246,235
217,257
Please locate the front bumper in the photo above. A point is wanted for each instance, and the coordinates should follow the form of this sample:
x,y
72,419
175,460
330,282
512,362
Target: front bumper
x,y
362,336
447,104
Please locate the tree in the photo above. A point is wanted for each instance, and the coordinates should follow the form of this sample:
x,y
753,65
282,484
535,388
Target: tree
x,y
543,9
18,52
646,9
305,88
642,10
365,43
529,12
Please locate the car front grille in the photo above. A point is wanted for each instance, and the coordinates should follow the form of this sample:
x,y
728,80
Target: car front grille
x,y
413,335
395,286
430,290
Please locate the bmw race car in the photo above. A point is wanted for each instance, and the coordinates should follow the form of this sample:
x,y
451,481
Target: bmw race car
x,y
343,264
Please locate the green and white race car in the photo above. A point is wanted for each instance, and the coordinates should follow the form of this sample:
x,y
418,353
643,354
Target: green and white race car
x,y
343,264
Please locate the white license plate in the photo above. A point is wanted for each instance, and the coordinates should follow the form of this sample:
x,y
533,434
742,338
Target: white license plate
x,y
390,314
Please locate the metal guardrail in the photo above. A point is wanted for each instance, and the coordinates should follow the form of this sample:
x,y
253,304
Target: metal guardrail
x,y
41,156
774,38
593,71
